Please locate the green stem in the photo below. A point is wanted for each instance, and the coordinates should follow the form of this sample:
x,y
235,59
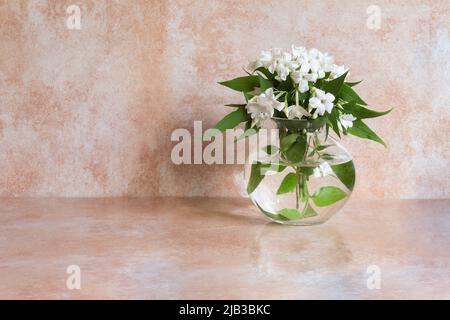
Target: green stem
x,y
301,190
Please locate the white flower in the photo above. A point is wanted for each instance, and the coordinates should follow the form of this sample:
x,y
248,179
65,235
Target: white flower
x,y
326,62
297,112
346,120
266,60
297,51
337,71
276,61
269,98
300,78
311,62
312,77
284,65
282,72
321,101
262,107
266,57
322,170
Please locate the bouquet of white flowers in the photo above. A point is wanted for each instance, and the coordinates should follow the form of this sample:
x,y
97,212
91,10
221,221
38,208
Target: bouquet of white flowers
x,y
306,94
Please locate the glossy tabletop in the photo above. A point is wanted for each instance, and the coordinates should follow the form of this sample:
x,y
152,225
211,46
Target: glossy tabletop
x,y
221,248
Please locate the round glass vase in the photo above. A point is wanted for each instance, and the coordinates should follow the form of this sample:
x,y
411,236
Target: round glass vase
x,y
303,178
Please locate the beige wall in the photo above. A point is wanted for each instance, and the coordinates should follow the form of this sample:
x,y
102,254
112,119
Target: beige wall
x,y
90,112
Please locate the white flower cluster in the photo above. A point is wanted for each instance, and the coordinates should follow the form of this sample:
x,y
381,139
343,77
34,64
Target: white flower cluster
x,y
300,64
304,67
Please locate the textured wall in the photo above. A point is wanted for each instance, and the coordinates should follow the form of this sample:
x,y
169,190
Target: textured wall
x,y
89,112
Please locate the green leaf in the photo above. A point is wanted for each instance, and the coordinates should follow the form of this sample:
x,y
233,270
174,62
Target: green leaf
x,y
291,214
306,170
319,148
266,72
323,147
334,86
288,184
258,172
229,122
287,141
286,85
243,84
327,131
361,130
333,118
270,149
233,105
346,173
296,152
278,167
308,212
271,215
326,196
352,84
256,177
349,95
361,112
327,156
265,84
247,96
247,133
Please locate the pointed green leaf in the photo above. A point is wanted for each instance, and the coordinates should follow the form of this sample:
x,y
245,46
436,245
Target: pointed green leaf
x,y
288,184
333,118
266,73
346,173
256,177
326,196
265,84
243,84
248,125
230,121
334,86
352,84
361,112
361,130
233,105
349,95
291,214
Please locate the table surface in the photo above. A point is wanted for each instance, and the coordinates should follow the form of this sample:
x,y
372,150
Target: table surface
x,y
197,248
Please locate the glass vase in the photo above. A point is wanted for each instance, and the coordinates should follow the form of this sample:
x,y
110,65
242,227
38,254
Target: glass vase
x,y
303,178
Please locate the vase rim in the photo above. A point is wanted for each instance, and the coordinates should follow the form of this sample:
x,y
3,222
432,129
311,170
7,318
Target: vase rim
x,y
300,124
